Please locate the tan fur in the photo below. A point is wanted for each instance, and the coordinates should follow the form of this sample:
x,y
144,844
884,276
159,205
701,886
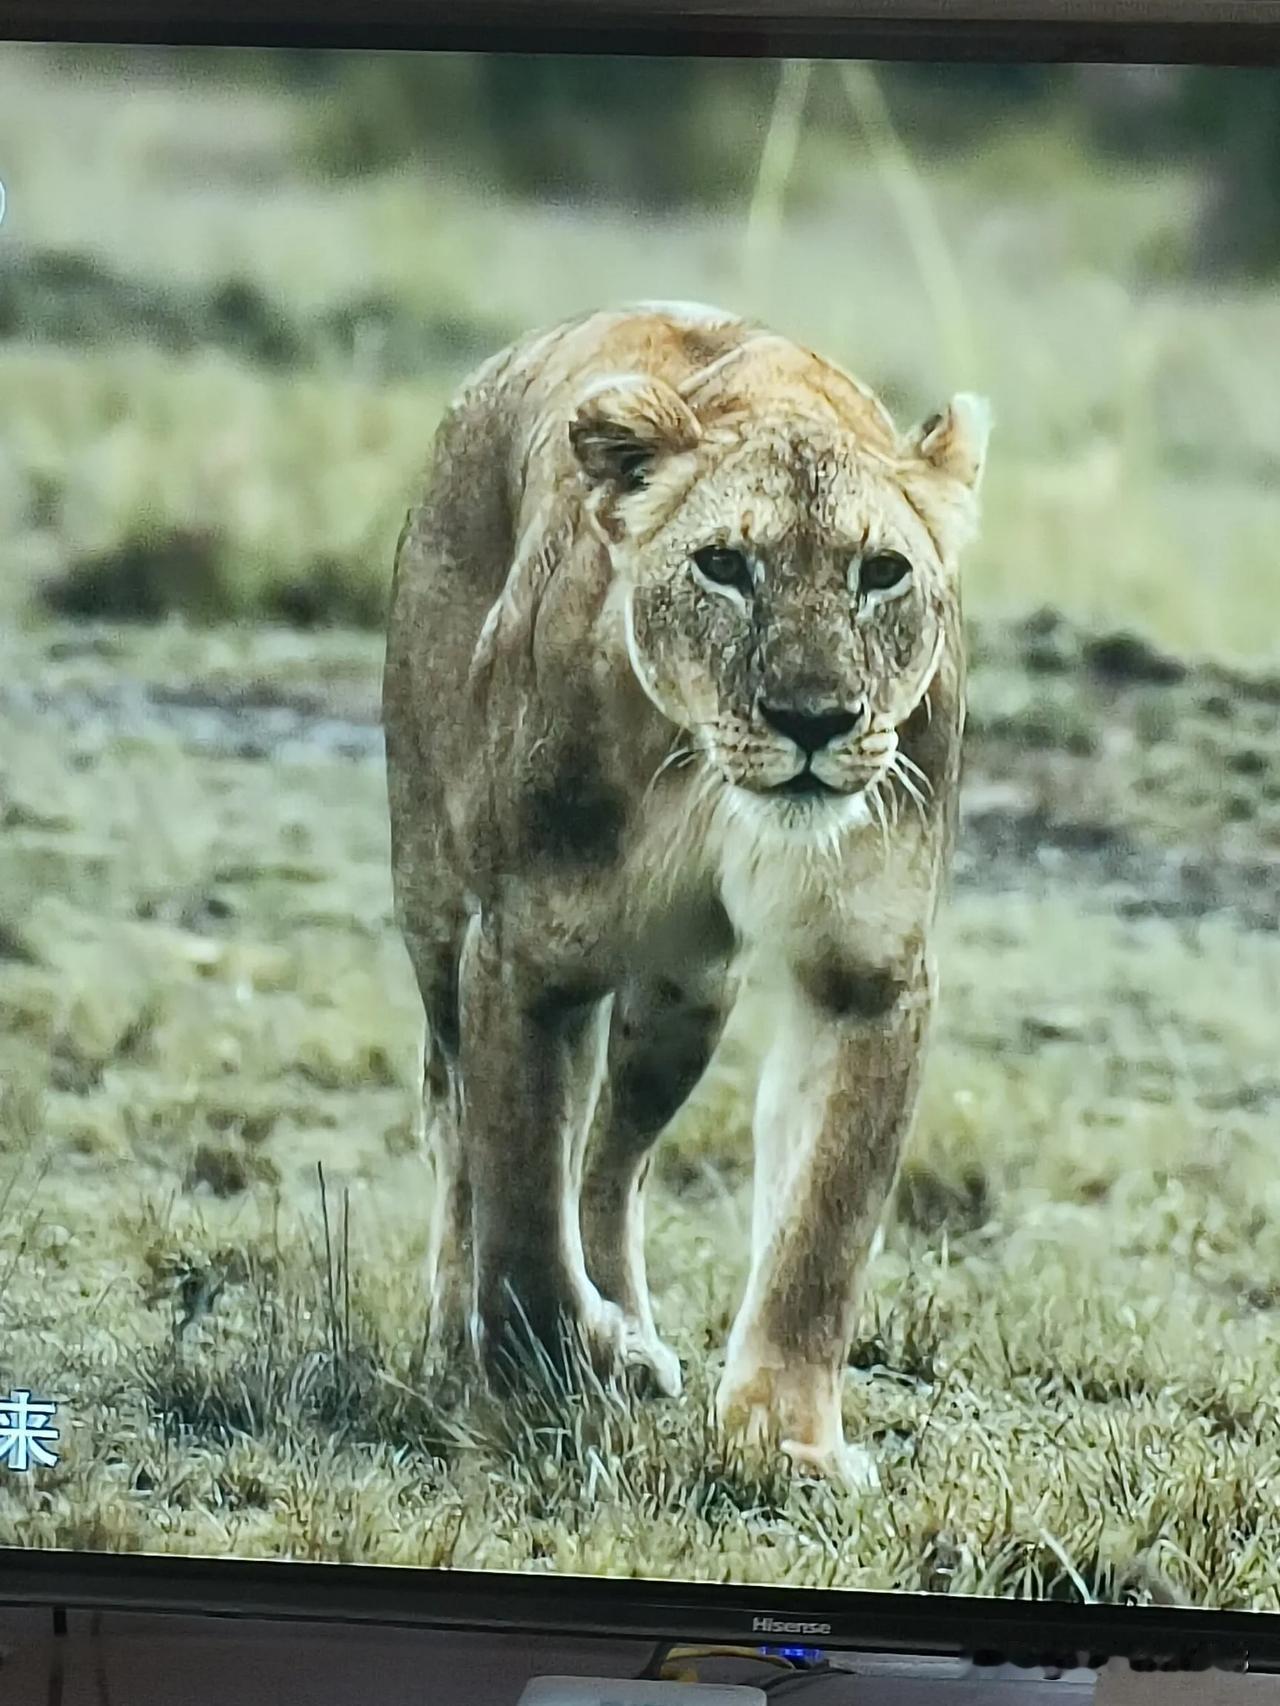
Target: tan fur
x,y
589,844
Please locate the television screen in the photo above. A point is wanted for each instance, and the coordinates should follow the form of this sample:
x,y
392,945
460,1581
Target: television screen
x,y
686,1103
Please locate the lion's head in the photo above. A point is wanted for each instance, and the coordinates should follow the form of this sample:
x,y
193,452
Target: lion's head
x,y
787,563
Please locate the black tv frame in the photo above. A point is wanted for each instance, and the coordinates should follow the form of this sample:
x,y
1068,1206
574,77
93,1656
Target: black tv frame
x,y
1211,32
1242,33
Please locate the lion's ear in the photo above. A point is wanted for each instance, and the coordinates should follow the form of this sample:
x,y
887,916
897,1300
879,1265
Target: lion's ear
x,y
625,424
955,442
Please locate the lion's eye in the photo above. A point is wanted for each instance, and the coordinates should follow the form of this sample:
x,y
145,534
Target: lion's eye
x,y
724,566
883,571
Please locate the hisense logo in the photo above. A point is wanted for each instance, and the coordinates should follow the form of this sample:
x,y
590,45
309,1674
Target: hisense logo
x,y
780,1626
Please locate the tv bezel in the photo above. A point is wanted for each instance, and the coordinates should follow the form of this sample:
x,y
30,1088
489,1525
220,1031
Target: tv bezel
x,y
1243,33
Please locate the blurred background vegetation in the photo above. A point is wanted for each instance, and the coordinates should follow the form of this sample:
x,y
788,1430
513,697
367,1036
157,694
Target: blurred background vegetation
x,y
236,288
658,133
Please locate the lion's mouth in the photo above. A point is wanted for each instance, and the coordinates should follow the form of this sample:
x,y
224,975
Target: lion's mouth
x,y
805,785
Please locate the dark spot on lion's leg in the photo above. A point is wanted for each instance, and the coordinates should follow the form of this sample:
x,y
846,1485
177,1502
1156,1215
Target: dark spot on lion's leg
x,y
843,990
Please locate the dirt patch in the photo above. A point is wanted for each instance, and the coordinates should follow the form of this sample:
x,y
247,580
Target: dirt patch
x,y
1149,783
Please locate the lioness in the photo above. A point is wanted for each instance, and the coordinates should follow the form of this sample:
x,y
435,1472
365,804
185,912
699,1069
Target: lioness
x,y
674,686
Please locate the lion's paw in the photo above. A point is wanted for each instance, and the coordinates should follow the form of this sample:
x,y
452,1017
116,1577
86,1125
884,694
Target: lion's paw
x,y
797,1411
844,1465
654,1361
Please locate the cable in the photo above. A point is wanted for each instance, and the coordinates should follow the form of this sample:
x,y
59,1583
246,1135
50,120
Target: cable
x,y
651,1670
731,1652
102,1687
55,1688
56,1685
657,1667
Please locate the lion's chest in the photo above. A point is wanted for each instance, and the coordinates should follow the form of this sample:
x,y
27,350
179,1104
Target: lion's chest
x,y
789,886
786,892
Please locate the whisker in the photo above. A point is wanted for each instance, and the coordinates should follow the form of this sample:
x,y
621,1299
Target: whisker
x,y
678,756
891,798
910,766
909,788
900,780
876,806
679,843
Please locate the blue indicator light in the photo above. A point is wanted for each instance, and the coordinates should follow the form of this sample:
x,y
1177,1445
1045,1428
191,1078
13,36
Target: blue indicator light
x,y
796,1655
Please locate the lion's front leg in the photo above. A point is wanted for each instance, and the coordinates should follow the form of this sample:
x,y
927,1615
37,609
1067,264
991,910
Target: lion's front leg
x,y
532,1058
664,1030
449,1263
836,1102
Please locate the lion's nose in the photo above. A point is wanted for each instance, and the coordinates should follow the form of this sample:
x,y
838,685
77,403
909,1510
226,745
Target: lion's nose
x,y
812,730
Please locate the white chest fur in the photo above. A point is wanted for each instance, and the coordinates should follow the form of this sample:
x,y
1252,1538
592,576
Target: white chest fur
x,y
819,873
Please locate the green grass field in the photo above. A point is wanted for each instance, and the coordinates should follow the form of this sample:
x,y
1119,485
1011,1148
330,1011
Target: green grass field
x,y
212,1198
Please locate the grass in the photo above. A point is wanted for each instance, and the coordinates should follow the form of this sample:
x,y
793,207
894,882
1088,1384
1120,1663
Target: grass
x,y
226,492
1067,1362
223,491
1135,473
213,1206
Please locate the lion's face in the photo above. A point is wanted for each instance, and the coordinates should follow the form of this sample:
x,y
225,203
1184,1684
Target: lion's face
x,y
787,589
